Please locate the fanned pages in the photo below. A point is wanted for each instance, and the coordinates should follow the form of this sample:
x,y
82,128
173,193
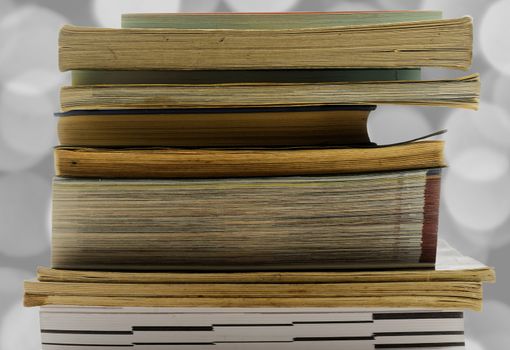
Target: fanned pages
x,y
459,295
439,43
462,93
278,223
456,283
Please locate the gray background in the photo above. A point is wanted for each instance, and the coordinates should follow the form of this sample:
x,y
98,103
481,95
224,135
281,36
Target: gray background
x,y
475,208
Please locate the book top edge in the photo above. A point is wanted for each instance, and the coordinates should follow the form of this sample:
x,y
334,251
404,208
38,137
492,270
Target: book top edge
x,y
277,13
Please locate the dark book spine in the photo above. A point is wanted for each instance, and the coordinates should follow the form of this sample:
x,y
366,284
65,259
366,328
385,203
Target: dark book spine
x,y
431,217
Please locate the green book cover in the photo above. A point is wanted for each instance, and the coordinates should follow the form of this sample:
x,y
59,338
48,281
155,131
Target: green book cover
x,y
285,20
95,77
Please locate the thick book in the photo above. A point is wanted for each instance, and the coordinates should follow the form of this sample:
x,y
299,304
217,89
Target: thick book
x,y
455,283
436,43
151,163
461,93
380,220
292,20
273,20
220,127
104,328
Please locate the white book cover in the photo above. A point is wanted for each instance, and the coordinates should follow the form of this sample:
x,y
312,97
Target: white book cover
x,y
102,328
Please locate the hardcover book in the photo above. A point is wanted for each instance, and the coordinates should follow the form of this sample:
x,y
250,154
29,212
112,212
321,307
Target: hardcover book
x,y
217,127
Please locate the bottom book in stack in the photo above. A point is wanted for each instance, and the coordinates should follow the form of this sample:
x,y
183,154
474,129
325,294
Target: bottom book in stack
x,y
107,328
385,309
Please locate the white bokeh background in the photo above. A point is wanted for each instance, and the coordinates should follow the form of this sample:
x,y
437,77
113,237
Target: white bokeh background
x,y
475,211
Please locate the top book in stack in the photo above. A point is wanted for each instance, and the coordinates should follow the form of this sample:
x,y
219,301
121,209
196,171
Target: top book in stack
x,y
429,43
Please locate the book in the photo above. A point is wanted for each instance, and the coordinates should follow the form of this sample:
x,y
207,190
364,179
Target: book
x,y
217,189
436,43
63,327
223,127
140,163
463,93
107,77
292,20
455,283
380,220
273,20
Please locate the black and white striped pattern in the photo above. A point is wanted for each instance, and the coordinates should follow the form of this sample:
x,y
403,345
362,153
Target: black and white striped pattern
x,y
94,328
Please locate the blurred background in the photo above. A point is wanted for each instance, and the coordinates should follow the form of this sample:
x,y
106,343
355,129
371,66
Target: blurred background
x,y
475,209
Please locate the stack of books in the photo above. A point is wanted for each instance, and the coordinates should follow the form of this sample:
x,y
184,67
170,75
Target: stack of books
x,y
217,187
